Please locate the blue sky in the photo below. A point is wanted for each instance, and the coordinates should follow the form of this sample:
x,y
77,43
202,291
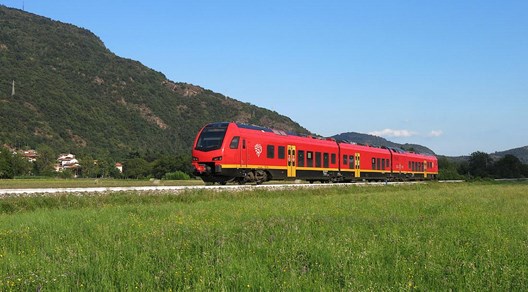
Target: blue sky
x,y
450,75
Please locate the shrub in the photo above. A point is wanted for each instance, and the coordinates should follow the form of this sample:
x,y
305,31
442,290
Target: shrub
x,y
177,175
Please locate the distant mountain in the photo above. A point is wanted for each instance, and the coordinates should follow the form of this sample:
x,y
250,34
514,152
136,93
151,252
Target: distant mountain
x,y
73,94
379,141
521,153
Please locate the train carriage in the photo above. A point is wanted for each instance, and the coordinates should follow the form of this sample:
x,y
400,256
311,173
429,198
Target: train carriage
x,y
234,152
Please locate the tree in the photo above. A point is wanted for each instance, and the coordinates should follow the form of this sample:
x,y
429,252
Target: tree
x,y
45,161
136,168
21,166
524,170
508,166
480,165
88,167
6,164
448,169
168,164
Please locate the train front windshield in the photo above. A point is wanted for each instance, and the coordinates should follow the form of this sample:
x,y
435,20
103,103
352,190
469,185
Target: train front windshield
x,y
211,137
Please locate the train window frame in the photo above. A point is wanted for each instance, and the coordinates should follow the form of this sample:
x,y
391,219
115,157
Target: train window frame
x,y
281,152
234,142
270,151
300,158
333,158
326,160
309,158
318,159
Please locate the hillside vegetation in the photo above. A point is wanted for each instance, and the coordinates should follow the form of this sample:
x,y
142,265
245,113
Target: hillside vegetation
x,y
430,237
73,94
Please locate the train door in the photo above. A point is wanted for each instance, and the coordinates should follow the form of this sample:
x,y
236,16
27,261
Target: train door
x,y
243,153
292,165
357,165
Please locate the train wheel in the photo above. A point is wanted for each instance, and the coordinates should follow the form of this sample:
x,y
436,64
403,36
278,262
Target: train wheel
x,y
260,176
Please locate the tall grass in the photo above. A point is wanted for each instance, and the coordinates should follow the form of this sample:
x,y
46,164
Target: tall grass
x,y
425,237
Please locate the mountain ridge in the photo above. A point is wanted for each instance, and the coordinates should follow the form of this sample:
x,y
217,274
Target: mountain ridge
x,y
73,94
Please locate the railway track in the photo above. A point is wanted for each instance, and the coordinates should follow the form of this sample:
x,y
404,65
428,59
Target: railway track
x,y
176,189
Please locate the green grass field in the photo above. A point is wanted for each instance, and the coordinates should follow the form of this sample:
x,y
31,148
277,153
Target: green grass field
x,y
89,183
467,236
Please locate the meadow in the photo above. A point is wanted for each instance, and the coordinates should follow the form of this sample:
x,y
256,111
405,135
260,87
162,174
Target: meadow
x,y
464,236
46,182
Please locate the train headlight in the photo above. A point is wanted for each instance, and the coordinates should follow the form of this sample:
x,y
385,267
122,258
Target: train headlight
x,y
218,158
194,158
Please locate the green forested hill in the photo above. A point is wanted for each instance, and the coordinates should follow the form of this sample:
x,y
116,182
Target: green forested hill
x,y
73,94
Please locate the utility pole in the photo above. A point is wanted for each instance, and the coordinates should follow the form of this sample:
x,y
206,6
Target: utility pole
x,y
13,89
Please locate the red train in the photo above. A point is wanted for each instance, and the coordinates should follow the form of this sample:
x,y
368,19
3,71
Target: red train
x,y
233,152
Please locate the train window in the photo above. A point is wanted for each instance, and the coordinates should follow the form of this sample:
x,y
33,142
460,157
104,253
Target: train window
x,y
383,163
333,158
309,158
300,158
373,163
351,161
388,162
270,151
234,142
325,160
345,159
282,152
378,163
211,137
244,144
317,159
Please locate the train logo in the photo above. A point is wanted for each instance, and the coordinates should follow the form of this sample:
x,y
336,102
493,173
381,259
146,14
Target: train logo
x,y
258,149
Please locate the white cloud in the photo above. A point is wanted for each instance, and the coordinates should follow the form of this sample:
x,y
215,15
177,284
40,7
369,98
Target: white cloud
x,y
393,133
435,133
